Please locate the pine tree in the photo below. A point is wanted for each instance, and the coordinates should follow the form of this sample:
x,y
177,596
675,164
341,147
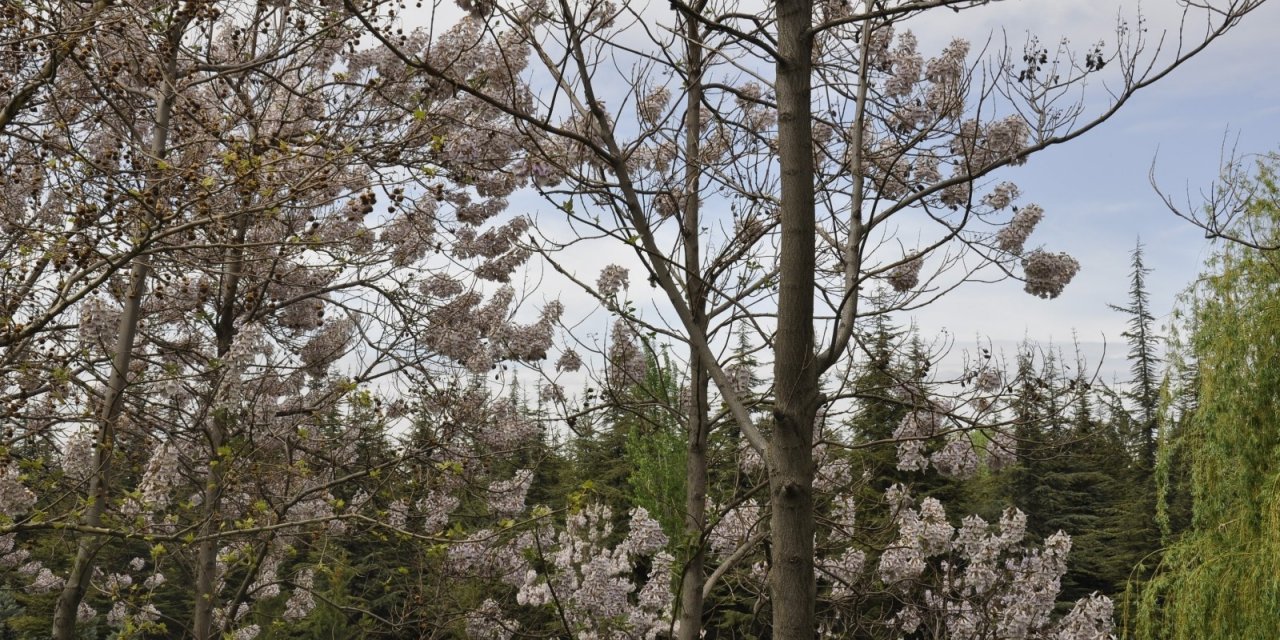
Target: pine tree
x,y
1144,361
1137,412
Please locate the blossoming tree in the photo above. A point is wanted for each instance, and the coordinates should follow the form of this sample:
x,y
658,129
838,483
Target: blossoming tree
x,y
202,295
194,239
821,134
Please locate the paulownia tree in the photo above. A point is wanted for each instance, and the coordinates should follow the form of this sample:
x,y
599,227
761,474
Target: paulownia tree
x,y
194,238
847,174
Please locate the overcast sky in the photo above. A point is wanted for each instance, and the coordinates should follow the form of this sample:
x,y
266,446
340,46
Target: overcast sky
x,y
1095,191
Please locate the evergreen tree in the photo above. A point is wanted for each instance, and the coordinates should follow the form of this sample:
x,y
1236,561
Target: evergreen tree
x,y
1136,413
1144,361
1094,501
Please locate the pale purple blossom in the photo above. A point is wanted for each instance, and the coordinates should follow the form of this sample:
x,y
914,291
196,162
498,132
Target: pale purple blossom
x,y
1091,619
740,377
487,622
118,613
653,104
956,459
117,582
397,513
911,433
627,361
1004,138
300,603
644,536
906,64
15,498
77,455
98,323
668,203
845,570
901,562
925,170
45,581
435,510
907,619
957,195
248,632
593,585
949,67
1047,274
1013,236
1003,195
735,527
506,497
327,345
905,276
612,280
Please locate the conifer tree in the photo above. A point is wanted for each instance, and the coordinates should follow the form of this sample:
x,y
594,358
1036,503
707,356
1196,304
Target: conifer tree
x,y
1144,361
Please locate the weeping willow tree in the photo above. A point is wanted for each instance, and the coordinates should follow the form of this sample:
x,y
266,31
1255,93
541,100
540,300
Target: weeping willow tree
x,y
1221,578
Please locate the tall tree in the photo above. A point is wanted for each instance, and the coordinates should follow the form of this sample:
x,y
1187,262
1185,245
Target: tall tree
x,y
1219,579
1144,362
834,132
194,247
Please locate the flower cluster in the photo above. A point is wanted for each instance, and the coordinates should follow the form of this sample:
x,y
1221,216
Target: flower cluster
x,y
1014,235
613,279
906,276
906,65
627,362
594,586
77,455
956,459
981,579
653,105
569,361
1003,195
506,497
15,498
735,527
1047,274
911,433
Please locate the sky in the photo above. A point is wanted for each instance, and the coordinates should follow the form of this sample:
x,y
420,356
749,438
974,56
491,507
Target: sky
x,y
1096,191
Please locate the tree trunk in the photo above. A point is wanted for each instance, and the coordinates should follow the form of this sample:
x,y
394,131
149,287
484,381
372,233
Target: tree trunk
x,y
219,425
64,615
699,428
795,383
206,557
695,519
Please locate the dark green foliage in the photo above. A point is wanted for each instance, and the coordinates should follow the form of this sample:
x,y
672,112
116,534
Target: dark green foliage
x,y
1075,474
1143,393
635,455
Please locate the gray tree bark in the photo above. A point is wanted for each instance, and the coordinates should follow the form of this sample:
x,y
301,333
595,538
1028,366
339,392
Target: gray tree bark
x,y
793,590
64,616
693,576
